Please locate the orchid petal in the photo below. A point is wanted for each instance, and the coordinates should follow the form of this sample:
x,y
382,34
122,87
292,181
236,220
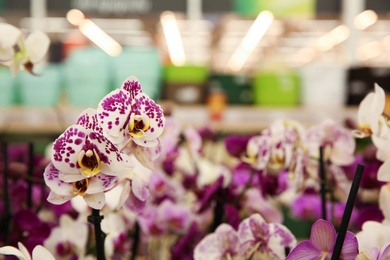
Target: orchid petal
x,y
350,246
58,199
134,204
10,250
24,251
96,200
132,86
140,188
88,119
67,148
9,35
66,177
40,252
384,201
124,194
147,155
385,252
383,171
51,177
370,254
304,251
113,112
323,235
100,183
6,54
37,44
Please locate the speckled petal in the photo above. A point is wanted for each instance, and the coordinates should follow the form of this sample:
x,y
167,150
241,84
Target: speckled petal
x,y
67,147
113,113
132,86
58,199
88,119
117,163
66,177
146,155
51,177
142,104
140,188
96,200
100,183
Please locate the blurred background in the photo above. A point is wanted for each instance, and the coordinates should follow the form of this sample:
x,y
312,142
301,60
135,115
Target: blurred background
x,y
234,65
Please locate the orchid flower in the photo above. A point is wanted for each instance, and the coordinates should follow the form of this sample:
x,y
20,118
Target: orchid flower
x,y
370,120
222,244
377,234
127,114
38,253
17,52
69,239
274,148
382,154
321,244
82,152
90,189
338,143
263,240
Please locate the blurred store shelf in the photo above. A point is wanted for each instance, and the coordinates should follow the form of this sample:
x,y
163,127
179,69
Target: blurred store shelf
x,y
20,120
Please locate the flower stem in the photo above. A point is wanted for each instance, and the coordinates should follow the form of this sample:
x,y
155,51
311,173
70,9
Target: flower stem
x,y
96,219
7,208
323,183
347,212
30,174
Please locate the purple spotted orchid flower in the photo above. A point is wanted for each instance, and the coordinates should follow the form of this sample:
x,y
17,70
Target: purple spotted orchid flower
x,y
127,114
263,240
321,244
85,163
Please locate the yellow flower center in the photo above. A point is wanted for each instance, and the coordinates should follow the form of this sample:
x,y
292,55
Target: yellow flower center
x,y
138,125
89,162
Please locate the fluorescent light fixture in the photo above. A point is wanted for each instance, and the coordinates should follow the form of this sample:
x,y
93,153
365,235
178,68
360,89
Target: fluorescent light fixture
x,y
250,40
333,38
173,38
369,50
94,33
365,19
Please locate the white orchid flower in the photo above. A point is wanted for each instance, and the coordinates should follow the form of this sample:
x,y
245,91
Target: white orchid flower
x,y
370,113
18,52
39,252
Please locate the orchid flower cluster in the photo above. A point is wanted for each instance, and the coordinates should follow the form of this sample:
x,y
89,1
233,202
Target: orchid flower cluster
x,y
194,195
18,52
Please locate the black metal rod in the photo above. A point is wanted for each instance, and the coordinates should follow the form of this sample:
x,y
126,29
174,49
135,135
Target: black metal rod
x,y
96,219
30,172
347,212
136,241
323,184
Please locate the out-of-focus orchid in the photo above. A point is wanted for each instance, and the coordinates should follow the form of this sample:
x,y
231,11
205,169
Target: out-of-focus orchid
x,y
375,254
370,120
373,233
115,242
222,244
274,148
127,114
321,244
337,142
69,239
263,240
18,52
22,253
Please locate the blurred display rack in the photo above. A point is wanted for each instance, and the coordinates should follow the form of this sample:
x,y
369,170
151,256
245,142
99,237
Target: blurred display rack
x,y
51,122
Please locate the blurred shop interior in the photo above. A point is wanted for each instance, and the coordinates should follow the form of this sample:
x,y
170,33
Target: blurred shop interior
x,y
235,65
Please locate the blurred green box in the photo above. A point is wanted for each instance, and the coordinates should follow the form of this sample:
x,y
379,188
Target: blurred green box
x,y
276,88
185,74
43,89
237,88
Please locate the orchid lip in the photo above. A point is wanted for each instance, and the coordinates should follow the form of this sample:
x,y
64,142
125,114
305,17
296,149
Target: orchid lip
x,y
89,162
80,187
138,125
